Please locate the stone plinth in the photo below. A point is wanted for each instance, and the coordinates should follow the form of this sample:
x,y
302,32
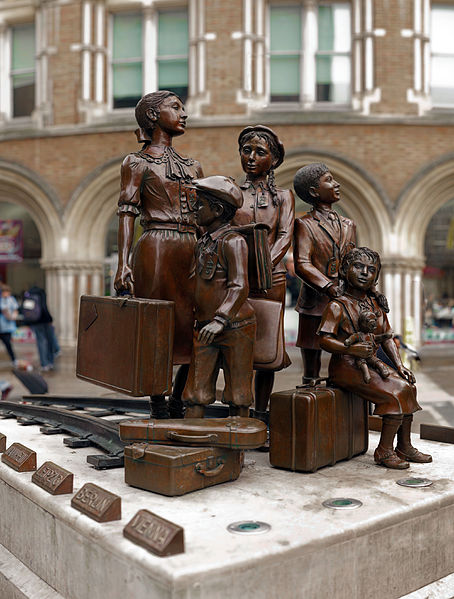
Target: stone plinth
x,y
400,540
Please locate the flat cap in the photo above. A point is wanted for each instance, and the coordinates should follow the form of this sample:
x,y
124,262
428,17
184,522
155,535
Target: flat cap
x,y
220,187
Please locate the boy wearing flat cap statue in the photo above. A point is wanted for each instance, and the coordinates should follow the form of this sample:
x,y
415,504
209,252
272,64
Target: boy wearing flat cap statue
x,y
224,330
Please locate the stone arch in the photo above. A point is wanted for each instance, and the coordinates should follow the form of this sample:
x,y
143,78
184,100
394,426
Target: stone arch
x,y
22,186
363,199
421,198
90,209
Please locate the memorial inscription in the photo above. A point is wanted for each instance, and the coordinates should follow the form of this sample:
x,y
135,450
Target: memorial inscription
x,y
20,458
155,534
53,479
97,503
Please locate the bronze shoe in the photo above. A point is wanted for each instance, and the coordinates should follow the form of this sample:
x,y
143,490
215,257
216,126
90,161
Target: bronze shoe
x,y
390,459
414,456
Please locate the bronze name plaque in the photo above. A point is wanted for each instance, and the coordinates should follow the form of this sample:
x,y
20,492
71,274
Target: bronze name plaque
x,y
53,479
97,503
20,458
155,534
2,442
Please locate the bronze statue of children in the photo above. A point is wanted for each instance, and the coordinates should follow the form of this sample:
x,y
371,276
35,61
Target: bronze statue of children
x,y
224,330
321,238
367,324
395,395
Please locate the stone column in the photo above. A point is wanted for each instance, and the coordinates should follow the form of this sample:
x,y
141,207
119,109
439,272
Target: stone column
x,y
66,281
402,284
310,48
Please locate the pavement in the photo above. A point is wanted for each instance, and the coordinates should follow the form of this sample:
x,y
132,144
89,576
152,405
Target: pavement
x,y
434,375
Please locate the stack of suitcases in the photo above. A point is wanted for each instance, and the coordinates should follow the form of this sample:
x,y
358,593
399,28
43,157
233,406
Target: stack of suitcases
x,y
174,457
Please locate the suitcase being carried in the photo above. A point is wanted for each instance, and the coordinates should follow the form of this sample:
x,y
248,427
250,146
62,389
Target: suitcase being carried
x,y
126,344
178,470
315,426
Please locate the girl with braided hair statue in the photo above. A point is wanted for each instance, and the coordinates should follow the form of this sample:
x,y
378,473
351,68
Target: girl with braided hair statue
x,y
154,186
394,395
261,152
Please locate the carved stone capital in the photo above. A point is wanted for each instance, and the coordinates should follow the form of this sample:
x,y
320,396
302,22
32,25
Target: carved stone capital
x,y
77,267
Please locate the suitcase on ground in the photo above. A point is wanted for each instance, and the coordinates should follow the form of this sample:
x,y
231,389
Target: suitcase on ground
x,y
126,344
233,432
315,426
178,470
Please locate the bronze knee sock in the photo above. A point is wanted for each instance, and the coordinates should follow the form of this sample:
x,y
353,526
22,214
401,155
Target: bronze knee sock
x,y
390,425
264,381
158,407
176,408
403,434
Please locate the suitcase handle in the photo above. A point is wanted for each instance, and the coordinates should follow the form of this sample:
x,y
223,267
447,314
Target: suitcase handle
x,y
213,472
313,382
192,438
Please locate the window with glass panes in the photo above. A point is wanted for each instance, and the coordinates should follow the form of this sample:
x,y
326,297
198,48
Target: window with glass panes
x,y
290,52
442,46
172,58
22,70
170,53
127,61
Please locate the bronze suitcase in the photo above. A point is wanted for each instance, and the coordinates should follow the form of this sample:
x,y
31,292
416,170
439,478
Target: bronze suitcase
x,y
178,470
126,344
311,427
233,432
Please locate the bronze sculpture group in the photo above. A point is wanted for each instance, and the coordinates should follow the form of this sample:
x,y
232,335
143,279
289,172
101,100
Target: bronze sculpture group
x,y
192,252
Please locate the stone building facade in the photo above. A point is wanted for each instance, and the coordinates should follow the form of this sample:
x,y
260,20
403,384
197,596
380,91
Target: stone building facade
x,y
362,85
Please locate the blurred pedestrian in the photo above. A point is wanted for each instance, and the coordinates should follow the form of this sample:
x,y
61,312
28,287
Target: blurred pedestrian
x,y
37,317
8,315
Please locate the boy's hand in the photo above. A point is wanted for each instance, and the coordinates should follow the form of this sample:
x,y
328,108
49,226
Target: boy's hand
x,y
209,331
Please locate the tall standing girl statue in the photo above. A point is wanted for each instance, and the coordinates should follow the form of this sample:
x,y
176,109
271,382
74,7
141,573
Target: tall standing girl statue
x,y
261,152
153,186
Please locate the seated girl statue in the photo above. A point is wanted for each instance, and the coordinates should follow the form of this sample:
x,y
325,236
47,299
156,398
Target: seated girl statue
x,y
394,396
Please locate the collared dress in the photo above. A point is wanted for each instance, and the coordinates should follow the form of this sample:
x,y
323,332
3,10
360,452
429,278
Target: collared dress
x,y
258,207
319,244
155,188
391,395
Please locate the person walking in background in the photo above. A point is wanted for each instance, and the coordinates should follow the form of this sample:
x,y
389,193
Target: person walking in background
x,y
37,317
8,315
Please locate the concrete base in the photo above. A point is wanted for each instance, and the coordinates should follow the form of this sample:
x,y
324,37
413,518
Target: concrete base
x,y
399,541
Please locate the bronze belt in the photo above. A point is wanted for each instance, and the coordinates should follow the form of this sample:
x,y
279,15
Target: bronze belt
x,y
230,325
180,227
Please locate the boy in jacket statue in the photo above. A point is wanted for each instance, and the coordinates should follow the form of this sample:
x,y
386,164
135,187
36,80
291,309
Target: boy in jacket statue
x,y
321,238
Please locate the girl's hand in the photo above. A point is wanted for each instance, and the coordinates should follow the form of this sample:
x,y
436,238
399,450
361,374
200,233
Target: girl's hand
x,y
124,281
406,374
363,349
